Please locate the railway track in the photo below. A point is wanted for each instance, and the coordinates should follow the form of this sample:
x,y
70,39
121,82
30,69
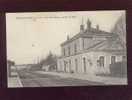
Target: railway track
x,y
32,79
28,79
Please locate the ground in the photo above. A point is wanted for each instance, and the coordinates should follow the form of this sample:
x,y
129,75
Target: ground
x,y
32,79
28,78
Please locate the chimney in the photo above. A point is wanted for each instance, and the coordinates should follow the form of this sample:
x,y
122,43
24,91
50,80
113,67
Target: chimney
x,y
82,27
97,27
88,24
68,37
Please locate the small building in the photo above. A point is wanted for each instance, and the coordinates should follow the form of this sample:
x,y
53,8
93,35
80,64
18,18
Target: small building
x,y
45,67
49,67
11,69
90,51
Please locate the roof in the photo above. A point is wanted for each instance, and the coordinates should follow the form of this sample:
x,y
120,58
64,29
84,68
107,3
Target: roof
x,y
107,45
89,33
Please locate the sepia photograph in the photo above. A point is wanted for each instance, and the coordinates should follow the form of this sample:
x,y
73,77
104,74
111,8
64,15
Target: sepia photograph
x,y
66,48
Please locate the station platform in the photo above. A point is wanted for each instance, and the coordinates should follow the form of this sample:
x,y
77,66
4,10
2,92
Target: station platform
x,y
14,81
103,79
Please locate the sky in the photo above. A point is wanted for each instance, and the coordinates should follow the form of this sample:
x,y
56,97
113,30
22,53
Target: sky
x,y
31,36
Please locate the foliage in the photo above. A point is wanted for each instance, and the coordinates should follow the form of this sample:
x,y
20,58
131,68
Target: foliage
x,y
11,63
49,60
120,30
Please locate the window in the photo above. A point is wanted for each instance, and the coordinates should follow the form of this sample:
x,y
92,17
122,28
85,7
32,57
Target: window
x,y
113,59
83,43
64,51
60,65
76,65
84,64
65,64
98,63
75,48
89,62
69,51
101,60
124,58
70,65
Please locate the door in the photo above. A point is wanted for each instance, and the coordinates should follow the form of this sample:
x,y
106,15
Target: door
x,y
76,65
84,64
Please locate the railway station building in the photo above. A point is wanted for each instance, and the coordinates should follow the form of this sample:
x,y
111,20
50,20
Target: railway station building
x,y
90,51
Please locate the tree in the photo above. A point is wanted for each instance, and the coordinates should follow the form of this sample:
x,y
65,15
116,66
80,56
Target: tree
x,y
51,60
10,63
120,30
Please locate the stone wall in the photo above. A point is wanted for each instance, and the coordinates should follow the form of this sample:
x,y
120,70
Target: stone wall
x,y
77,64
71,45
